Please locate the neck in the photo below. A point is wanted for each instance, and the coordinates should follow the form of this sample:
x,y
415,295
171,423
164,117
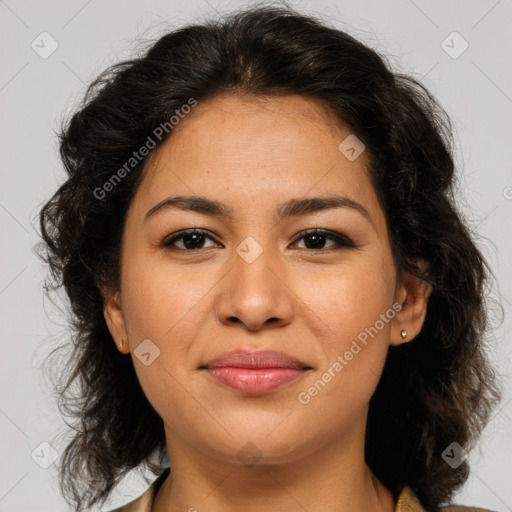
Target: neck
x,y
331,479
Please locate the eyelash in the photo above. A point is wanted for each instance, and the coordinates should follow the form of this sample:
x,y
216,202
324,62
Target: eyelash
x,y
342,242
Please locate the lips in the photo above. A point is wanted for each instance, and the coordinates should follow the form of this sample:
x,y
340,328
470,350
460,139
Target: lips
x,y
255,373
262,359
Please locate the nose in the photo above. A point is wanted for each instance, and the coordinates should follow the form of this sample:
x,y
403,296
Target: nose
x,y
255,295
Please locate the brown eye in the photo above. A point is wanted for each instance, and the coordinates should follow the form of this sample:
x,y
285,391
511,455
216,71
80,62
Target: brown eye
x,y
191,239
316,238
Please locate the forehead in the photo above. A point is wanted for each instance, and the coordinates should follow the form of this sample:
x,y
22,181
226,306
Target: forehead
x,y
238,124
250,151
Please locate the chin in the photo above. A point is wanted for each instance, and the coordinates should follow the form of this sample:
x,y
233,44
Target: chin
x,y
252,446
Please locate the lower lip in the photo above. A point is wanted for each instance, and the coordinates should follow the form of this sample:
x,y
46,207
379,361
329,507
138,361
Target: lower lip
x,y
254,381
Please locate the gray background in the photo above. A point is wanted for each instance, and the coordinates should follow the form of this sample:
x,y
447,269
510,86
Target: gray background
x,y
475,88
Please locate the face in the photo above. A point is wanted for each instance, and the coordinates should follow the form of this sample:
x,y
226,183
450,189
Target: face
x,y
199,281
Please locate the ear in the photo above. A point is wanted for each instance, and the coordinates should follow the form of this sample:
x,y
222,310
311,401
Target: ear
x,y
114,318
412,295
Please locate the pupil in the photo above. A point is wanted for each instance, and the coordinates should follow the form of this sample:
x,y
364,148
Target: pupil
x,y
196,239
317,241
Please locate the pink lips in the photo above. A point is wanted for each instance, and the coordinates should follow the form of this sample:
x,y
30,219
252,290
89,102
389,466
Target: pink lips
x,y
255,372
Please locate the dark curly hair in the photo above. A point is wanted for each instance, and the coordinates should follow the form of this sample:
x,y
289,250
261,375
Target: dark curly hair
x,y
435,390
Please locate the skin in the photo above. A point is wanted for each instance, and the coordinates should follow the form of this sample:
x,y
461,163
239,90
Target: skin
x,y
253,154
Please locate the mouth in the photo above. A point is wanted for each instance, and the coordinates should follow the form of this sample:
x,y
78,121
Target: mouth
x,y
255,373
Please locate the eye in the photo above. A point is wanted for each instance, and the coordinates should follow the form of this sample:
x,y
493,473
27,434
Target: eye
x,y
316,238
191,239
194,239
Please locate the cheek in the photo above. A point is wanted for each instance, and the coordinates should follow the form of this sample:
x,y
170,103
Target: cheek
x,y
158,301
162,307
340,389
354,307
350,300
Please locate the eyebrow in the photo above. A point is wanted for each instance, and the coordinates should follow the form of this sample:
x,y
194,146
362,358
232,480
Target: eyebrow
x,y
291,208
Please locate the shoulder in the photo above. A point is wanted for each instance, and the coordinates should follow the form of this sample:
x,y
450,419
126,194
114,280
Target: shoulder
x,y
408,502
144,503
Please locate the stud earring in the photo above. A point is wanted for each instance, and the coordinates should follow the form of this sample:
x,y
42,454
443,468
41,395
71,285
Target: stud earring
x,y
403,333
120,343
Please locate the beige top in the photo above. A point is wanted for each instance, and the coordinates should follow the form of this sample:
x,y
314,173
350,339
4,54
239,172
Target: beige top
x,y
407,501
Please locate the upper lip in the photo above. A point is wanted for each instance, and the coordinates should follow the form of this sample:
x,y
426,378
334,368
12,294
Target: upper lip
x,y
259,359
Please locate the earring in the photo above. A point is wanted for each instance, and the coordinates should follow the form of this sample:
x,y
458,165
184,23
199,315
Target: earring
x,y
403,333
120,343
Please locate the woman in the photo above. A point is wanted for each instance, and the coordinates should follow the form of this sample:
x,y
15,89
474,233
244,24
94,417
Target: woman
x,y
269,280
